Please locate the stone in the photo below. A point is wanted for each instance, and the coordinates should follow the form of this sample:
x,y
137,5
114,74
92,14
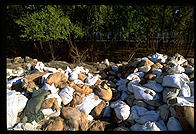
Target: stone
x,y
96,125
54,124
97,111
74,119
186,117
57,78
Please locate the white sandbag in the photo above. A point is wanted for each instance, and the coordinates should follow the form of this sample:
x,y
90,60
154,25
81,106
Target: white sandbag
x,y
191,85
150,126
144,69
78,82
172,81
50,69
154,86
121,109
27,126
144,93
140,74
14,81
90,117
174,125
170,93
91,80
176,70
133,77
49,112
158,72
183,101
155,57
66,94
130,87
185,90
40,66
15,104
73,75
142,115
88,103
107,111
122,88
51,87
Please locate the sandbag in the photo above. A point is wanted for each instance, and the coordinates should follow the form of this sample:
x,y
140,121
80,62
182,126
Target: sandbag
x,y
88,103
174,125
154,86
66,94
156,57
15,104
121,109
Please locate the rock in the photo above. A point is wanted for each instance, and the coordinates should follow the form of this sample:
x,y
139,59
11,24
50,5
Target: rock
x,y
150,76
96,125
57,78
144,69
98,110
54,124
74,120
186,117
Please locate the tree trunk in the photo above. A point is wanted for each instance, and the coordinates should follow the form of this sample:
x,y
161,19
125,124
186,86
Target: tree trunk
x,y
51,50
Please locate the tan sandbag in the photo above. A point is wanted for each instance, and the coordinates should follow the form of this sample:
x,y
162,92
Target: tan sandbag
x,y
74,119
97,111
54,124
96,125
57,78
82,77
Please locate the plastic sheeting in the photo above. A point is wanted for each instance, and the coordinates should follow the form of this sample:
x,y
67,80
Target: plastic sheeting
x,y
121,109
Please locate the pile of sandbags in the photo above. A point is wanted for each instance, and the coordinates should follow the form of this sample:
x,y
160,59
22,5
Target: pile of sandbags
x,y
153,93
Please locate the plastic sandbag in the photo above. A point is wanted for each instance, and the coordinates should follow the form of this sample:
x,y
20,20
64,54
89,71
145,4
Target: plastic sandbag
x,y
174,125
88,103
51,87
144,93
15,103
183,101
191,85
161,125
140,74
172,81
176,70
44,77
50,69
156,57
130,87
55,95
121,109
66,94
115,68
154,86
150,126
14,81
133,77
27,126
40,66
121,84
91,80
185,90
142,115
124,96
